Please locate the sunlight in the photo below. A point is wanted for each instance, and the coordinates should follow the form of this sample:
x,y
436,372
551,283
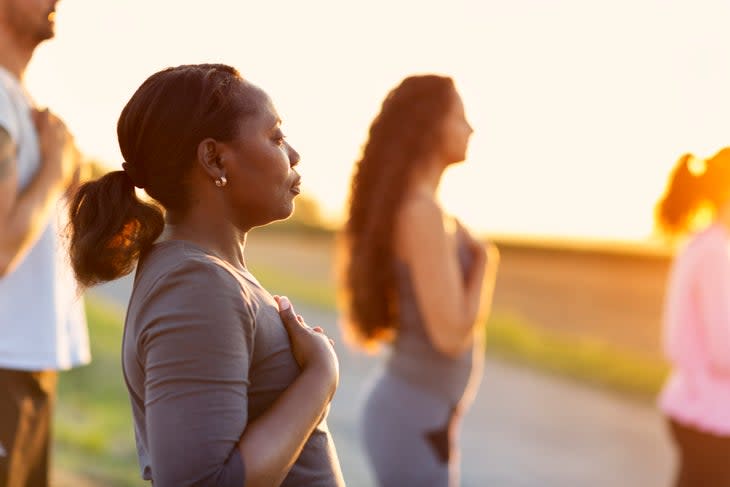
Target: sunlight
x,y
576,128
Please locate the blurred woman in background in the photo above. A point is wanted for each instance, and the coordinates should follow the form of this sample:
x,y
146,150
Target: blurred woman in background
x,y
414,276
228,386
696,397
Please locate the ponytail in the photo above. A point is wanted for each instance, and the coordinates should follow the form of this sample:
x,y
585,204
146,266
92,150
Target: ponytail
x,y
110,228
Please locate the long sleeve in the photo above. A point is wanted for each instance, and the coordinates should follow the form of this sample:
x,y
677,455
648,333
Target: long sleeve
x,y
196,349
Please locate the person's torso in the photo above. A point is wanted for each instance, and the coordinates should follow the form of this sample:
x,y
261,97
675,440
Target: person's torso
x,y
414,357
696,392
272,365
42,318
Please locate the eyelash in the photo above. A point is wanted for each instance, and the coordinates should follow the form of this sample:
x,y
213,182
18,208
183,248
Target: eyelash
x,y
279,139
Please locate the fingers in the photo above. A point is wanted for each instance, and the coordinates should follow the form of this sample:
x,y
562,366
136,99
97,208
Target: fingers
x,y
286,311
290,318
40,118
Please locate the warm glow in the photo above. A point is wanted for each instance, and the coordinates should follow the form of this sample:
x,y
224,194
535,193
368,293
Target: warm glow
x,y
580,108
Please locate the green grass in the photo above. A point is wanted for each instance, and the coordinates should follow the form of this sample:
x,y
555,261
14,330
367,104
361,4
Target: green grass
x,y
93,428
579,358
313,293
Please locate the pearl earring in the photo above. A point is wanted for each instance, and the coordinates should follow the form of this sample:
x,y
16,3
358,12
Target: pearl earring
x,y
221,181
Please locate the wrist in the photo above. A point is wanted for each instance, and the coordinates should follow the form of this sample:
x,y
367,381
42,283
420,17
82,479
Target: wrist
x,y
325,375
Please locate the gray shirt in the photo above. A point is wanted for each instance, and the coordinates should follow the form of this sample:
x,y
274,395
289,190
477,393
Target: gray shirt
x,y
204,353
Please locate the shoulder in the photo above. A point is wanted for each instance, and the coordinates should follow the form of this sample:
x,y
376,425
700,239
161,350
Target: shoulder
x,y
420,232
705,251
179,258
419,212
183,296
186,277
711,240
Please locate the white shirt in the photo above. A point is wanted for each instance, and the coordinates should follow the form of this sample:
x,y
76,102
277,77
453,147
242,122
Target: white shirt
x,y
42,320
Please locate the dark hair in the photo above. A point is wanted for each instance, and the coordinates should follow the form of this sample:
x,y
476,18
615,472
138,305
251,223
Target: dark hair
x,y
406,133
159,131
694,184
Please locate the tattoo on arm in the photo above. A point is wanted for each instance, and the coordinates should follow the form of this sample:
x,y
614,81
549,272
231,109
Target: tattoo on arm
x,y
7,154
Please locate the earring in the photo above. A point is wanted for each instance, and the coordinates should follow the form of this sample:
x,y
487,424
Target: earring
x,y
221,181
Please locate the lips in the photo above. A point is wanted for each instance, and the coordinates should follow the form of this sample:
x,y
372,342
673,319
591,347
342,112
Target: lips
x,y
295,189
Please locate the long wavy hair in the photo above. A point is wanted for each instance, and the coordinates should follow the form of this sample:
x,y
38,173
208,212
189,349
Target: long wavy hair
x,y
695,184
403,136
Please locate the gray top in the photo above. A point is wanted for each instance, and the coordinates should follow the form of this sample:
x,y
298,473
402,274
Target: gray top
x,y
414,358
204,353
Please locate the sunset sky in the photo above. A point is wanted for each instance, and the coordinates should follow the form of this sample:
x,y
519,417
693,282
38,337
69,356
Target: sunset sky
x,y
580,107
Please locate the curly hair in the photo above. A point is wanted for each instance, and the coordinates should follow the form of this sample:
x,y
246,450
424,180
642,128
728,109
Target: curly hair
x,y
694,184
405,134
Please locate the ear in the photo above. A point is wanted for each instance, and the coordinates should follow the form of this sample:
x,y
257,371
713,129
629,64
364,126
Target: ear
x,y
209,158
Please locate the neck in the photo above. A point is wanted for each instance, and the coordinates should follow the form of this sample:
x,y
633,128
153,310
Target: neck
x,y
429,179
14,56
219,237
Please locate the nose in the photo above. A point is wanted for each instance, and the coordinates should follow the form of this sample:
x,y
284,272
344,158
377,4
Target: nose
x,y
294,157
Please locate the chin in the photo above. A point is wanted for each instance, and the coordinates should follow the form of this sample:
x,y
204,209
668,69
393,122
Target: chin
x,y
285,212
456,160
45,34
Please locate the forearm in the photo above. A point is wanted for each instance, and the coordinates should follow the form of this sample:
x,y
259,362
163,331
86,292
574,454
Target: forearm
x,y
473,294
461,334
478,293
25,220
487,295
271,444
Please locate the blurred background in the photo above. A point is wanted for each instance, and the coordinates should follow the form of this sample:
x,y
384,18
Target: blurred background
x,y
580,109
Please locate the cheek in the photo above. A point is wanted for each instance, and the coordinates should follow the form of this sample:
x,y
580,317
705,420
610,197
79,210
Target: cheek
x,y
274,181
456,139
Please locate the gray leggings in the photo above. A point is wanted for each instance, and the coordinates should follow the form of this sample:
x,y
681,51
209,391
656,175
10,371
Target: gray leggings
x,y
410,435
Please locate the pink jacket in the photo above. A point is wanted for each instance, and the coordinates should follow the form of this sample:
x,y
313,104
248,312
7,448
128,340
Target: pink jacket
x,y
697,334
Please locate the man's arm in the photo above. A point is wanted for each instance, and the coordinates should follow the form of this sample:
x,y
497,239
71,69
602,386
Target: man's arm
x,y
23,214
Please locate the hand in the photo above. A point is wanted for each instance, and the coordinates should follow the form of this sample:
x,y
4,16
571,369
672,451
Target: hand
x,y
477,248
311,347
58,151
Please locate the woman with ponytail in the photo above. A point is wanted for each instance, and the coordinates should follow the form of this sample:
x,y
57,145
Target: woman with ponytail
x,y
228,386
414,276
696,397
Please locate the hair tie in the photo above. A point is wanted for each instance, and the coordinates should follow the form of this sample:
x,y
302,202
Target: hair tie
x,y
134,174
